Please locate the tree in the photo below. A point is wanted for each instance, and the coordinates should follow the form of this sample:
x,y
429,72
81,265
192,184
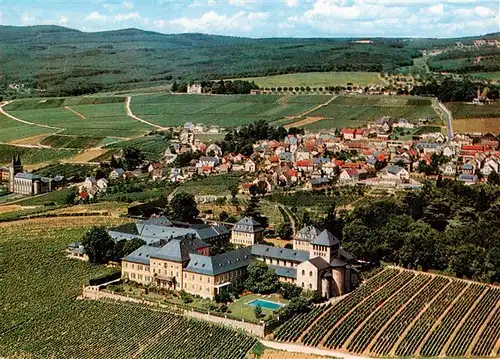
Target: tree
x,y
114,162
284,230
290,290
98,245
70,197
131,245
257,311
494,179
261,279
183,207
133,157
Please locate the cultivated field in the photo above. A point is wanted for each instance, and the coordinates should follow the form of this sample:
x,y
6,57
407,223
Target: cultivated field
x,y
318,79
14,130
404,313
357,110
469,118
41,317
226,111
33,155
79,116
211,186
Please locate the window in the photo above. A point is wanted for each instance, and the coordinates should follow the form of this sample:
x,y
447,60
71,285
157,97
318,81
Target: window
x,y
201,288
132,275
133,267
171,273
310,273
165,265
208,279
310,286
201,278
139,276
159,271
192,287
302,284
303,273
126,265
185,285
192,277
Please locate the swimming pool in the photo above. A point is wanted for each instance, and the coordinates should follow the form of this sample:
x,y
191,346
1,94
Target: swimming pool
x,y
265,304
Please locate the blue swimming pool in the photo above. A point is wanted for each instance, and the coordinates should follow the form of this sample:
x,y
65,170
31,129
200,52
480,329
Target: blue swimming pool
x,y
265,304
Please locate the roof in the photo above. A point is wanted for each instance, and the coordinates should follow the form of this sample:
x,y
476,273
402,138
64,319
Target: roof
x,y
263,250
141,255
28,175
308,233
467,178
395,170
319,263
345,255
287,272
325,238
337,263
221,263
177,250
248,225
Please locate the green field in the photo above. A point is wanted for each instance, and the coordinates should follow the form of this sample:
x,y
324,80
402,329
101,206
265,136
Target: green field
x,y
41,317
225,110
493,76
33,155
82,142
356,111
461,110
15,130
318,79
153,146
211,186
97,116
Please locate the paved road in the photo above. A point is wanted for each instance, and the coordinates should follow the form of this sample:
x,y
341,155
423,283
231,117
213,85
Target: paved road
x,y
308,350
131,115
448,119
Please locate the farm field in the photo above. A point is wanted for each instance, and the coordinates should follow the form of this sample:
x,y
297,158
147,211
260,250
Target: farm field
x,y
317,79
81,142
153,147
224,110
211,186
472,118
493,76
405,313
79,116
356,111
33,155
14,130
42,318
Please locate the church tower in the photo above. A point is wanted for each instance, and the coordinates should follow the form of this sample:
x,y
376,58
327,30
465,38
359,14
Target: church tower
x,y
14,168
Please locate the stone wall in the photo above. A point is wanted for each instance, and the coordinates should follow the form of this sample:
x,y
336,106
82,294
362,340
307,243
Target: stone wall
x,y
94,293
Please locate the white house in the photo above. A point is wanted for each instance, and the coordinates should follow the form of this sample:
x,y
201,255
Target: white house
x,y
489,166
194,89
448,169
395,173
250,166
102,183
116,173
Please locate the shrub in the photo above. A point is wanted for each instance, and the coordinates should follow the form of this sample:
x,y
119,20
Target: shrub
x,y
186,297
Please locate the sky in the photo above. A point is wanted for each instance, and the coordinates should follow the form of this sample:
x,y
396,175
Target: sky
x,y
265,18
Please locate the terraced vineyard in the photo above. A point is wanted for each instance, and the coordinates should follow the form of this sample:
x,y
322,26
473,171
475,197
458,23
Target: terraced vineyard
x,y
404,313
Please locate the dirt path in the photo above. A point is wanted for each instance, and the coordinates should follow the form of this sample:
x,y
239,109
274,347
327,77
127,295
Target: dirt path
x,y
408,328
131,115
75,112
438,321
292,220
309,350
3,112
87,156
461,323
294,124
30,141
305,122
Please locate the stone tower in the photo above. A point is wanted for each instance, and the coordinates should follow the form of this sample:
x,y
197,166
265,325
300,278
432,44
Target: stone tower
x,y
14,168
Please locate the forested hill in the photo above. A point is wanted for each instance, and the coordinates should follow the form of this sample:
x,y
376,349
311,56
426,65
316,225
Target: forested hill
x,y
61,60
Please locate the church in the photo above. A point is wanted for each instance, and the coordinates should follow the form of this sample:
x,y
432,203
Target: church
x,y
29,183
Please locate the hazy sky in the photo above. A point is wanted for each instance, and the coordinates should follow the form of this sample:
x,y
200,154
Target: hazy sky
x,y
265,18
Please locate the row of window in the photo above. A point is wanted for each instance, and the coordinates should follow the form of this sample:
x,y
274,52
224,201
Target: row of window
x,y
139,267
310,285
193,287
137,276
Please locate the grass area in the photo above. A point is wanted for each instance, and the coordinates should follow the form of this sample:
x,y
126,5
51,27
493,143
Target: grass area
x,y
218,185
493,76
210,137
71,141
15,130
357,110
272,212
318,79
224,110
77,171
42,319
33,155
241,309
57,197
95,116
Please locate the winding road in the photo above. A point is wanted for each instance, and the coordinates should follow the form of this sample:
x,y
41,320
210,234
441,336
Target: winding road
x,y
131,115
448,119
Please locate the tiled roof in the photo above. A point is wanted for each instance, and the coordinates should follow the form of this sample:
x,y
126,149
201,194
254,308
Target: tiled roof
x,y
176,250
308,233
28,176
221,263
279,253
141,255
395,170
319,263
325,238
248,225
286,272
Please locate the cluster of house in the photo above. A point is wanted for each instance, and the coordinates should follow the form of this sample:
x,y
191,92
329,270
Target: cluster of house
x,y
383,154
177,256
28,183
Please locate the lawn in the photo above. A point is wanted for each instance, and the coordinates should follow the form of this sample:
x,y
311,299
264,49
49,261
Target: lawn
x,y
241,309
222,110
41,317
80,116
33,155
318,79
357,110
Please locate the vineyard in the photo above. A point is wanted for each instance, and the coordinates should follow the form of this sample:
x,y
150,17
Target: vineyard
x,y
404,313
81,142
473,118
42,319
33,155
225,111
356,111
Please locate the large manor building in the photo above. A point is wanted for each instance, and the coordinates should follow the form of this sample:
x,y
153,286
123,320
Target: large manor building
x,y
177,256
